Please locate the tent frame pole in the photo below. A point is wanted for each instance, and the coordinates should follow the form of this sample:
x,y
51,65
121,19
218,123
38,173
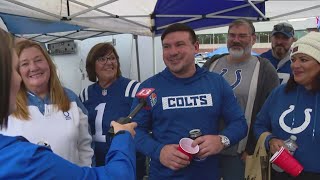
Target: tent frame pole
x,y
107,13
35,9
257,10
213,15
91,8
135,37
294,12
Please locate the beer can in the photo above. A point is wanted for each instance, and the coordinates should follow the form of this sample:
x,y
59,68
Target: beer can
x,y
194,133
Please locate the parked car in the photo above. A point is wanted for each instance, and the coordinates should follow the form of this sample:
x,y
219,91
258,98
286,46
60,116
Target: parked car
x,y
200,59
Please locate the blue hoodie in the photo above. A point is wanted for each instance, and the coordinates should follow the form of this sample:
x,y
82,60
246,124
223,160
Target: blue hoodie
x,y
294,113
179,105
23,160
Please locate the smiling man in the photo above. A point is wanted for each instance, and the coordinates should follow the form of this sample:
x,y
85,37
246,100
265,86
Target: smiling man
x,y
282,37
252,79
186,97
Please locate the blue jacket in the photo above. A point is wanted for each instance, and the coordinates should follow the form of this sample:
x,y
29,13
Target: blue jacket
x,y
294,113
23,160
179,105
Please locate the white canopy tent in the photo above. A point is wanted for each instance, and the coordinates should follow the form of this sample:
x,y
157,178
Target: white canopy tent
x,y
141,17
137,16
292,9
144,17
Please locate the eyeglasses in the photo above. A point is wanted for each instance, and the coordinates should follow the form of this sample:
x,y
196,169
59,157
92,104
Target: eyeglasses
x,y
283,27
240,36
105,59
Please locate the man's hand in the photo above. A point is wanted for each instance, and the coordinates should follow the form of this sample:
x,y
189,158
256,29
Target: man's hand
x,y
275,145
172,158
209,145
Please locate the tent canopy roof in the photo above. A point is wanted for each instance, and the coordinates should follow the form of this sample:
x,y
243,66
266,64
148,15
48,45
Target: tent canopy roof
x,y
143,17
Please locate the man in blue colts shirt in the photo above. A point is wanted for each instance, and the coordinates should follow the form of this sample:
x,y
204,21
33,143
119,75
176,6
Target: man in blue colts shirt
x,y
282,37
186,97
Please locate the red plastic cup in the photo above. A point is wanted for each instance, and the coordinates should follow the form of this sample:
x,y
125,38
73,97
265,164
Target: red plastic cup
x,y
186,148
287,162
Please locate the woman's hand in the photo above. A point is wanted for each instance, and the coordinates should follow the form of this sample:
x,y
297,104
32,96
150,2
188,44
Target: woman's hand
x,y
275,145
127,127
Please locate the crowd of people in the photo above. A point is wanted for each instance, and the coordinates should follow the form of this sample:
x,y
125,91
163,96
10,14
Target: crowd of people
x,y
252,79
24,160
48,132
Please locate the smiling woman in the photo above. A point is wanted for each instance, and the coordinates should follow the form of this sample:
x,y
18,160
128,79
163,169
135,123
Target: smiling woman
x,y
293,109
23,160
109,98
305,58
42,105
34,70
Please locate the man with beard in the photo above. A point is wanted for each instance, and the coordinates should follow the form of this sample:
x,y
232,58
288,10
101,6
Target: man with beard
x,y
252,79
281,41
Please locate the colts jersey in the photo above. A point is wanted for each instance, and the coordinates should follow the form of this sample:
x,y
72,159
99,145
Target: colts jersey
x,y
104,106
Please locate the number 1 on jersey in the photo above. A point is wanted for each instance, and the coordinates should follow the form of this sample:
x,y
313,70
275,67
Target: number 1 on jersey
x,y
98,136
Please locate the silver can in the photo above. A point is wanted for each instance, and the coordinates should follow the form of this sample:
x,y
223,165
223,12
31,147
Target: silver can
x,y
194,133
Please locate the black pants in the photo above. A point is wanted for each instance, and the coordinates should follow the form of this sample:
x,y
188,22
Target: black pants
x,y
303,176
141,165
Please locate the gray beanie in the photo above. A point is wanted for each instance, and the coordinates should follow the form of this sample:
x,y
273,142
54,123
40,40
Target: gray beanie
x,y
308,44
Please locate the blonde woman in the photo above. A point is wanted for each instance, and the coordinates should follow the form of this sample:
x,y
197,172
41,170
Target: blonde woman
x,y
22,160
48,113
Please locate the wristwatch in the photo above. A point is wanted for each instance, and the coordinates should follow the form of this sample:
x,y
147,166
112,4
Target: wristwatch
x,y
225,141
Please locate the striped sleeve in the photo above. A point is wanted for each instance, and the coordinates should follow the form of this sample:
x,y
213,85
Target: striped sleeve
x,y
132,88
84,95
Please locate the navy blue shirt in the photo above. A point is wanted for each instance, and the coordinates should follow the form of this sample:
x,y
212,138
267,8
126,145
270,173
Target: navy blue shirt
x,y
283,68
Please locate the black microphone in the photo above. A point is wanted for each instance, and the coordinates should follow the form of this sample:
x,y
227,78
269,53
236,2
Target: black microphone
x,y
143,94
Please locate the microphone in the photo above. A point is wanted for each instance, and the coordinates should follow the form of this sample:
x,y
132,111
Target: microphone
x,y
142,95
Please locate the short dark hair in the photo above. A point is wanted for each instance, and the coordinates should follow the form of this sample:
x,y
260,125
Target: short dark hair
x,y
179,27
6,51
242,21
97,51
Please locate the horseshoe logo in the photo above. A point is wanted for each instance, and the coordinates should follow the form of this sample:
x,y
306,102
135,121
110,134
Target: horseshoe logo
x,y
237,74
299,129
